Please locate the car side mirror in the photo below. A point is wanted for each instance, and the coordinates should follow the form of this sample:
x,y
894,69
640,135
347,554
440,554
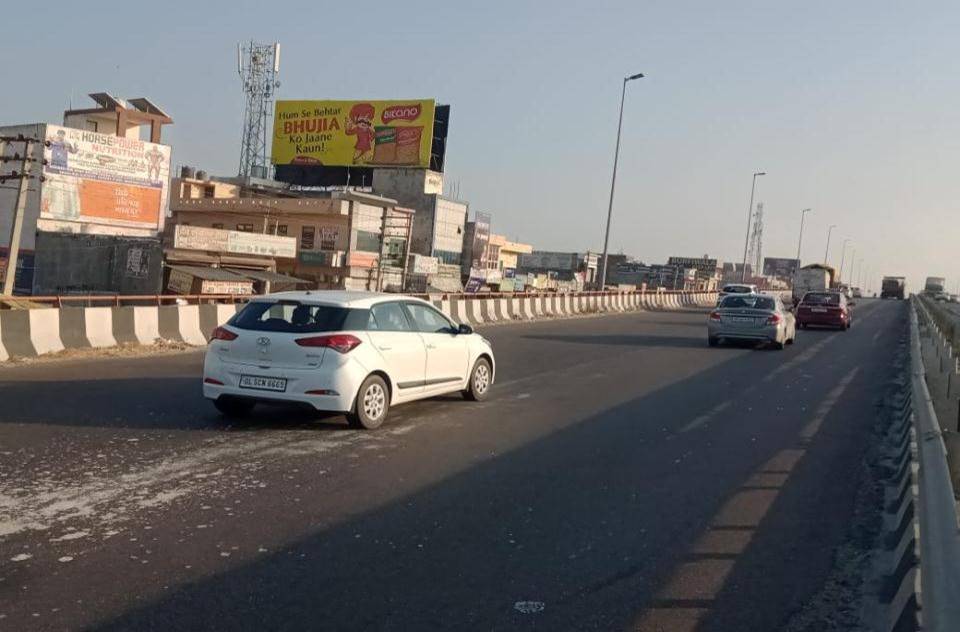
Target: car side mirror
x,y
464,329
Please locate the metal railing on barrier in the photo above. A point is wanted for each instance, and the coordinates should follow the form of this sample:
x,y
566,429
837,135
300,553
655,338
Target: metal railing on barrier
x,y
116,300
937,510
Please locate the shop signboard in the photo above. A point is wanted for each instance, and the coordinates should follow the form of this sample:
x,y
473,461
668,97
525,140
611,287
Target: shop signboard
x,y
234,242
180,282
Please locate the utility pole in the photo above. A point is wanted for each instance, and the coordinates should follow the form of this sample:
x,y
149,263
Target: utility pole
x,y
16,226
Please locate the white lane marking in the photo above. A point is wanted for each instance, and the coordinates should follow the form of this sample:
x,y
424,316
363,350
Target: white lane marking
x,y
523,395
704,418
813,426
803,357
876,336
529,607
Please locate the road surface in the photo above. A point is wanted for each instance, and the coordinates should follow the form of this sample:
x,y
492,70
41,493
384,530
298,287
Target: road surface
x,y
622,475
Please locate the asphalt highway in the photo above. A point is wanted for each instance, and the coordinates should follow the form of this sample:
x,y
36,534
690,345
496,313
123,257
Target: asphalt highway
x,y
622,475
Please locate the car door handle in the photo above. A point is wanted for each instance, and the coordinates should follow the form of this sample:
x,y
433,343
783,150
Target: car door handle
x,y
382,348
431,346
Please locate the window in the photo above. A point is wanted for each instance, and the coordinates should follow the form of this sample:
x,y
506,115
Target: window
x,y
245,228
368,241
295,317
218,225
282,229
428,320
209,191
307,237
749,302
450,258
388,317
821,298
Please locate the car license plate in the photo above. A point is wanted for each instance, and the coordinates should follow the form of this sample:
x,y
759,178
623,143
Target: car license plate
x,y
819,310
742,319
263,383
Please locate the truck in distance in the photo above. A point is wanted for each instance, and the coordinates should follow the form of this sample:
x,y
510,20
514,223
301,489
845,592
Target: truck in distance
x,y
815,277
935,286
892,287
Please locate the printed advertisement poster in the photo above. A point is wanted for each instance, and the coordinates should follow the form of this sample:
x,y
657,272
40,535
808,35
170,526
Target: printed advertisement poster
x,y
350,133
104,179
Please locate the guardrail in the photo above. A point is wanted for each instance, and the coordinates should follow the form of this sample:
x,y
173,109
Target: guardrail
x,y
33,332
939,532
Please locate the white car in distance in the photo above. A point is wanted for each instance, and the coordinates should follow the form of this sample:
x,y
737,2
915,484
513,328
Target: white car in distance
x,y
357,353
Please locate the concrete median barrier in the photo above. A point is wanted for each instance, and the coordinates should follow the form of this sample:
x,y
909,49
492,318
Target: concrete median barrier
x,y
34,332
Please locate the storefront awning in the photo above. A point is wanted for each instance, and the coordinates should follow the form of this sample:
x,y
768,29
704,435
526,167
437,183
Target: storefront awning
x,y
267,276
210,274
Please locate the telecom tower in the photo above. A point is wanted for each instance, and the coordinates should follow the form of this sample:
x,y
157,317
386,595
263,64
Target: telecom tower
x,y
755,255
258,66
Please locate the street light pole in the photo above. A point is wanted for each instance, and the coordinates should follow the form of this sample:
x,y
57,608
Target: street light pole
x,y
843,256
826,255
746,241
613,180
803,216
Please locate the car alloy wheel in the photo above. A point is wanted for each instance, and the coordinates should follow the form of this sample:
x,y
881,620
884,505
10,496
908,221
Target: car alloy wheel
x,y
478,387
374,401
481,379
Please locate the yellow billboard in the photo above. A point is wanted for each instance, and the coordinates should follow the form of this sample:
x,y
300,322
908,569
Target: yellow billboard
x,y
353,133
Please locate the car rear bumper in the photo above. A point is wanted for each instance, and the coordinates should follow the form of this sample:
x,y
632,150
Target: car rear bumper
x,y
339,383
821,320
771,333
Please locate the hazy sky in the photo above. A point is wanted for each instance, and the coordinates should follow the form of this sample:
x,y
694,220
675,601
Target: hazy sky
x,y
850,107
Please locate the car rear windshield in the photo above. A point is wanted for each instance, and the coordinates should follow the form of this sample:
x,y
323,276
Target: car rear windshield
x,y
749,302
821,299
298,318
737,289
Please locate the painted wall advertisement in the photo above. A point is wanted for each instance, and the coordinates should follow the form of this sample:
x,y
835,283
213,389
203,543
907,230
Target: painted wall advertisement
x,y
104,179
353,133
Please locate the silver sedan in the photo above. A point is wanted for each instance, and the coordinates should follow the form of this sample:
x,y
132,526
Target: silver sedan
x,y
758,317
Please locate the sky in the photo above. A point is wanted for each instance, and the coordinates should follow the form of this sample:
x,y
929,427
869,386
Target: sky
x,y
849,107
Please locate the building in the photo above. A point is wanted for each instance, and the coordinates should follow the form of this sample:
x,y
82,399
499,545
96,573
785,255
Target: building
x,y
439,222
331,239
614,262
783,268
707,272
95,204
546,270
507,253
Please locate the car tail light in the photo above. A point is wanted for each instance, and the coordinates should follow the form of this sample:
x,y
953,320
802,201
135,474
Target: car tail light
x,y
714,315
220,333
774,319
210,380
341,343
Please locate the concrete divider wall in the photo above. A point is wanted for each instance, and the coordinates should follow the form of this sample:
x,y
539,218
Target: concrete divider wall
x,y
34,332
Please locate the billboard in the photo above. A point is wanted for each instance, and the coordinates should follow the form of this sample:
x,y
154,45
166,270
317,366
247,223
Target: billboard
x,y
481,238
103,179
780,267
353,133
233,241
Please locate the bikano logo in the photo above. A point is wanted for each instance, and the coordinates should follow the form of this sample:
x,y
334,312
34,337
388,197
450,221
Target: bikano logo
x,y
401,113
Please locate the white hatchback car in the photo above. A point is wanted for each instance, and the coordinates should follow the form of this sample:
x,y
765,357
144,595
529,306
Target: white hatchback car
x,y
353,352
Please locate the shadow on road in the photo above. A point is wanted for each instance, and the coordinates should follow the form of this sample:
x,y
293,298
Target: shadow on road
x,y
589,519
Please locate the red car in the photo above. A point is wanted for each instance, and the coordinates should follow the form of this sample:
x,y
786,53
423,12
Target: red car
x,y
824,309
